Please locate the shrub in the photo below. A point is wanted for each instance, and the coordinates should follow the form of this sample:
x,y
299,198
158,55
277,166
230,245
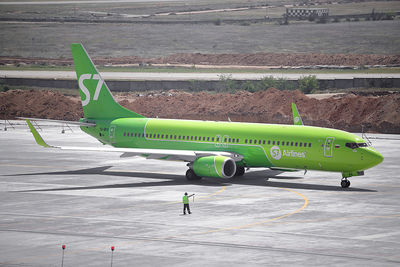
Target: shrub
x,y
267,82
228,83
284,84
249,86
308,83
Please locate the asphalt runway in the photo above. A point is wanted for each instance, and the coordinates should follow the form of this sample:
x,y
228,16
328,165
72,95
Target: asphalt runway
x,y
92,201
163,76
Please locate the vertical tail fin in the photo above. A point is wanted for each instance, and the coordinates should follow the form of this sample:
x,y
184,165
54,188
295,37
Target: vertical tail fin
x,y
97,100
296,116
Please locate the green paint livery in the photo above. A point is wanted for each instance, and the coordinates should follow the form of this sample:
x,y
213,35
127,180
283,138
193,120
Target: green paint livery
x,y
216,149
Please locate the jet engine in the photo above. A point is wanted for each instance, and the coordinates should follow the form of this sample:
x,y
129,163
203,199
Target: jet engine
x,y
214,166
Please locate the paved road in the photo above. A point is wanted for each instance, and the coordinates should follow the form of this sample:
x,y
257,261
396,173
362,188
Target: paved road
x,y
77,2
162,76
92,201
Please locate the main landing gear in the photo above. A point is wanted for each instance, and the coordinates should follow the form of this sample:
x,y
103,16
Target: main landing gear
x,y
191,176
345,183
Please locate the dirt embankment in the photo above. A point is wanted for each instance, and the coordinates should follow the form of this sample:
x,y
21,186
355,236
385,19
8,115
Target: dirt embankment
x,y
257,59
347,112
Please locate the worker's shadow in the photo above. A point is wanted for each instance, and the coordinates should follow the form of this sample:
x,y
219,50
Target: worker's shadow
x,y
266,178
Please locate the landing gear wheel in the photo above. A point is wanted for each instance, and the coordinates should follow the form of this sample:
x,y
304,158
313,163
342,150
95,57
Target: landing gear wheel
x,y
239,171
191,176
345,183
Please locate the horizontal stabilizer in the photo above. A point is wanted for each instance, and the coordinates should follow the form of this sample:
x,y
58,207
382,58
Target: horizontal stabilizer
x,y
88,124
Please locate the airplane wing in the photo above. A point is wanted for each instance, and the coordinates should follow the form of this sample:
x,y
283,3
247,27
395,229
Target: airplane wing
x,y
88,124
162,154
296,116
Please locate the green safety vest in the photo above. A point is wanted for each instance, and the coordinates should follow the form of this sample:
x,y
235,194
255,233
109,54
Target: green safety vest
x,y
185,200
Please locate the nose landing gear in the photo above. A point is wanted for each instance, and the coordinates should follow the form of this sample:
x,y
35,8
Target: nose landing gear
x,y
345,183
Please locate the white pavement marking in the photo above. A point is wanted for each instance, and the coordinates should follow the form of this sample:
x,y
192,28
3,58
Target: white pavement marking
x,y
377,236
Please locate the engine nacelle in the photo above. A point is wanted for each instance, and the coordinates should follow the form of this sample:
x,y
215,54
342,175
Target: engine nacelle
x,y
214,166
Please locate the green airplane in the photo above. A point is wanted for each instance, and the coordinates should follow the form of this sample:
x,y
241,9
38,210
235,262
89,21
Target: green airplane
x,y
212,148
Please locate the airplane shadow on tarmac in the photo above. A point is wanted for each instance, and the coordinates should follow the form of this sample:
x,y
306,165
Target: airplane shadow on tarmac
x,y
255,178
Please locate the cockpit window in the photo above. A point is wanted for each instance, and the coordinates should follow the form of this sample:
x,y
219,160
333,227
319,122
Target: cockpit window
x,y
355,145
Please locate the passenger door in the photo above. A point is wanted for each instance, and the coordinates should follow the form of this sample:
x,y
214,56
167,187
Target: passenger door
x,y
328,147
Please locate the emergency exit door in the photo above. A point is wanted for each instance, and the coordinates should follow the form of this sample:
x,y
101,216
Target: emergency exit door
x,y
328,147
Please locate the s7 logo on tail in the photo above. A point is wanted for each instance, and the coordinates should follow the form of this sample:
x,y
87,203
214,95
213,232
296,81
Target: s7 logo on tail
x,y
86,91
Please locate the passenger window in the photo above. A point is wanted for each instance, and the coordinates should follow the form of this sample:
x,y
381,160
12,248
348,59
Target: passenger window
x,y
225,140
135,134
277,143
300,144
263,142
187,137
287,143
162,136
212,139
204,138
245,141
269,142
309,144
208,138
283,143
195,138
250,141
273,142
174,137
295,144
158,136
124,134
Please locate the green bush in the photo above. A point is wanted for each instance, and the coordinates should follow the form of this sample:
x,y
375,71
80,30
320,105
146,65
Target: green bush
x,y
267,82
228,83
284,84
308,83
249,86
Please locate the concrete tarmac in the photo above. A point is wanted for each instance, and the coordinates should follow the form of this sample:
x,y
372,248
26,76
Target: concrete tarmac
x,y
92,201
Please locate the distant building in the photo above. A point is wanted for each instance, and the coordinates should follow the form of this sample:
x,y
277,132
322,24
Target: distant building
x,y
306,12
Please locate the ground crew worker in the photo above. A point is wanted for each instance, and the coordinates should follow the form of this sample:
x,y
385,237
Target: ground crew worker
x,y
185,201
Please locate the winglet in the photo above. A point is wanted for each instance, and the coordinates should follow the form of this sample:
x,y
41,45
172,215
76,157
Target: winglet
x,y
296,116
38,138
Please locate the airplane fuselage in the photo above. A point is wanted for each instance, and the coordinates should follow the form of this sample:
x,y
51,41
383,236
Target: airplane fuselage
x,y
261,145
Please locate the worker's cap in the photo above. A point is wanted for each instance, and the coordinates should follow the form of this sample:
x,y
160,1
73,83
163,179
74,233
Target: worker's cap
x,y
185,193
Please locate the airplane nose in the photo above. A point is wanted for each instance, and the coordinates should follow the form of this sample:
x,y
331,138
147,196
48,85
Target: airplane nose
x,y
372,158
